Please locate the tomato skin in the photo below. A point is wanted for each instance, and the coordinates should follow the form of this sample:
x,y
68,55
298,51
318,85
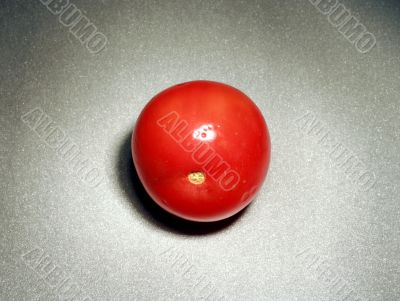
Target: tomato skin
x,y
201,150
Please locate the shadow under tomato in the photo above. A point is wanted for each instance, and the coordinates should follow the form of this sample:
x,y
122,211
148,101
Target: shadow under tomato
x,y
130,183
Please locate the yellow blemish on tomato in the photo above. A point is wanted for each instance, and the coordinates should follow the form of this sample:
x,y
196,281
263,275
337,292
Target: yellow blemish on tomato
x,y
196,177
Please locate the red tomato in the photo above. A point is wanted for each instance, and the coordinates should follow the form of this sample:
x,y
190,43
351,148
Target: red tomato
x,y
201,150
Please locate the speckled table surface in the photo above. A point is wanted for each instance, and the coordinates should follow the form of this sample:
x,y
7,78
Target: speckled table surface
x,y
75,223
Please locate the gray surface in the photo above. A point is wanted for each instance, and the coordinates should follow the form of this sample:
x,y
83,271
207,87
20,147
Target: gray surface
x,y
311,229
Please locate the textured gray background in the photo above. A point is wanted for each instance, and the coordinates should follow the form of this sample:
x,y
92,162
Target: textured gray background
x,y
111,242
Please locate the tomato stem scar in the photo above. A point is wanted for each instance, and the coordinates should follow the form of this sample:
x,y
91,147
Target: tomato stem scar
x,y
196,177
